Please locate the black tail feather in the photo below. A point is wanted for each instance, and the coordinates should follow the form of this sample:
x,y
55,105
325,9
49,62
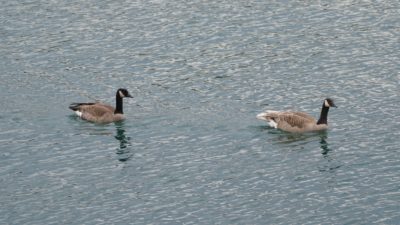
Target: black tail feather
x,y
76,106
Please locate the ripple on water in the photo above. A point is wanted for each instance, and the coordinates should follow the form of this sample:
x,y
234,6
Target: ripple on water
x,y
191,150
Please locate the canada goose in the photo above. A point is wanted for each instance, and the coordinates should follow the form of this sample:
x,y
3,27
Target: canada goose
x,y
298,121
102,113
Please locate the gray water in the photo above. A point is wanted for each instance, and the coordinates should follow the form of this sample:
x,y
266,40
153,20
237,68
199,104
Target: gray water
x,y
191,150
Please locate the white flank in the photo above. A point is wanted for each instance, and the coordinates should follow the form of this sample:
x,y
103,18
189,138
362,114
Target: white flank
x,y
78,113
263,116
272,124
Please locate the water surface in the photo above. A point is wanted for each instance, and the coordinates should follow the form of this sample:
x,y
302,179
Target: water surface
x,y
191,150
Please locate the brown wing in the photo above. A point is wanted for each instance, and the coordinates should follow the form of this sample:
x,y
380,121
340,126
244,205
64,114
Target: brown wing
x,y
293,120
109,107
305,116
287,120
95,112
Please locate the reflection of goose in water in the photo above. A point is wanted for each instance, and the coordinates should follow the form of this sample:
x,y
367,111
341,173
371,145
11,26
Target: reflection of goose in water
x,y
90,128
123,151
329,164
324,144
292,139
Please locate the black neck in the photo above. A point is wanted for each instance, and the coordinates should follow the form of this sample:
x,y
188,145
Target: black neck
x,y
323,118
118,104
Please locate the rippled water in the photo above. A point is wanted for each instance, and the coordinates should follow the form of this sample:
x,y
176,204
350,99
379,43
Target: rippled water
x,y
191,150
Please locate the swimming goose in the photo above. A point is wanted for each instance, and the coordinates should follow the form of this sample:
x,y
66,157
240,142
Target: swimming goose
x,y
102,113
298,121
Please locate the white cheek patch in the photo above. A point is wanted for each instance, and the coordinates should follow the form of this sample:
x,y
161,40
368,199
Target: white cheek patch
x,y
121,94
327,104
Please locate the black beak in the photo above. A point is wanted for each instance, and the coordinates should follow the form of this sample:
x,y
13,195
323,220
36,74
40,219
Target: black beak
x,y
129,96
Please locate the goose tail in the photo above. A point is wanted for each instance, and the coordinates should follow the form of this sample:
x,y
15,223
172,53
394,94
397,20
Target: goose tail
x,y
76,106
262,116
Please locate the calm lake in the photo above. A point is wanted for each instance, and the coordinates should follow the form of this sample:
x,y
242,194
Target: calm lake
x,y
191,150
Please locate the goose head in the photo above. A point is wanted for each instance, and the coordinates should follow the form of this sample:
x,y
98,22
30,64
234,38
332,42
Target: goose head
x,y
328,102
123,93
